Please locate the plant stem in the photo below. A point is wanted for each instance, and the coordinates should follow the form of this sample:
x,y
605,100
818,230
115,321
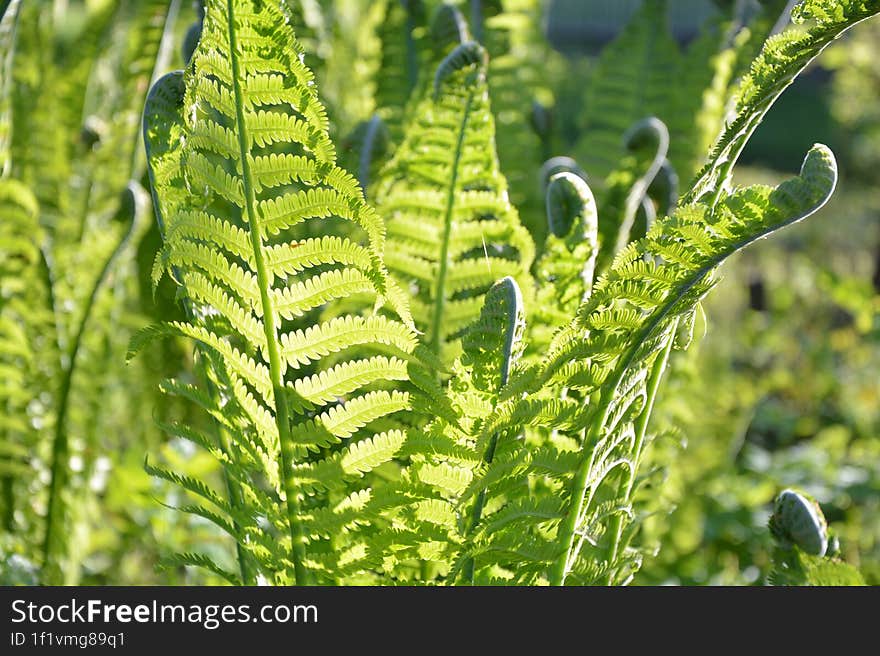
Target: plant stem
x,y
412,55
477,19
559,570
567,529
264,279
60,443
233,490
8,504
436,342
477,512
641,426
366,156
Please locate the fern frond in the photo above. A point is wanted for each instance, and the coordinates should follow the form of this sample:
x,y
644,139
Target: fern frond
x,y
743,217
521,67
402,44
451,228
243,174
630,82
560,478
203,561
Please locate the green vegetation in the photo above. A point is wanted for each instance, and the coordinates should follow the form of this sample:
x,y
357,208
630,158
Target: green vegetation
x,y
387,293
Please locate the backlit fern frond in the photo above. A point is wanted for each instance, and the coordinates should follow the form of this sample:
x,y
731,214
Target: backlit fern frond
x,y
437,505
629,324
413,41
451,228
242,167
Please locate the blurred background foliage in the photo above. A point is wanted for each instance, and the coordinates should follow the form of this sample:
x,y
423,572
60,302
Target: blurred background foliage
x,y
780,390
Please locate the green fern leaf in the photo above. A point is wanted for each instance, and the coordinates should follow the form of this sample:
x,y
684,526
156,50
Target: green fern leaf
x,y
452,230
241,165
743,217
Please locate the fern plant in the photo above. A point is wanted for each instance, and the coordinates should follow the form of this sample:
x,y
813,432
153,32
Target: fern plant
x,y
452,229
240,162
476,438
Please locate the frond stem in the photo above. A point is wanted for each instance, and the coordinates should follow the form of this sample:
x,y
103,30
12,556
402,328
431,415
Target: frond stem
x,y
60,443
477,19
626,485
440,294
233,489
282,410
477,512
412,54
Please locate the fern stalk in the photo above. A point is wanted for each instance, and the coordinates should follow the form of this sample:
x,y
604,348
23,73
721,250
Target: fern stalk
x,y
440,297
477,513
477,19
626,486
60,455
412,50
282,415
8,504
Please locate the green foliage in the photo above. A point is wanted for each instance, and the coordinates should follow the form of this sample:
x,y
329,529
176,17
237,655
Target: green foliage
x,y
522,68
235,179
783,57
402,40
797,568
790,402
8,19
422,358
452,231
630,82
71,193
